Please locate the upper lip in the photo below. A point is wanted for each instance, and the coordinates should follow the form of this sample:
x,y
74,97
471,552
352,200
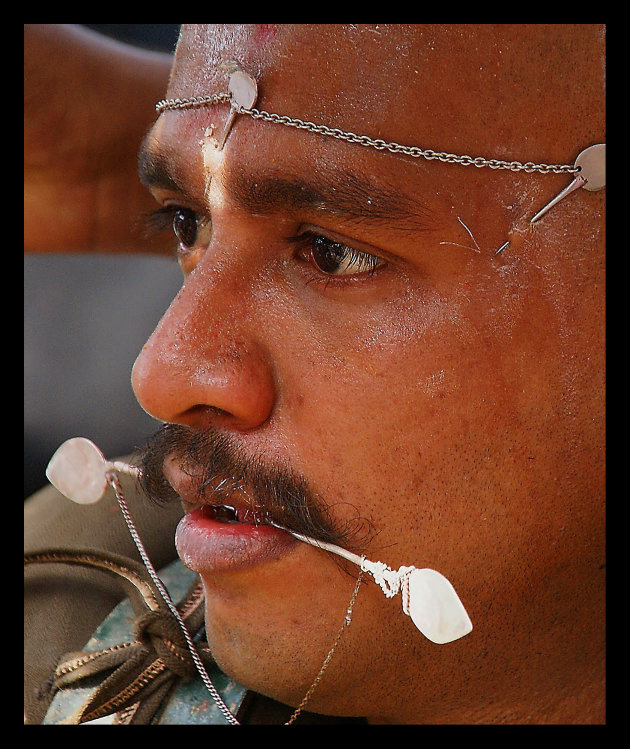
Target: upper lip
x,y
224,491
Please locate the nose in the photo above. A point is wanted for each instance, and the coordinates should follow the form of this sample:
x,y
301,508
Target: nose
x,y
205,364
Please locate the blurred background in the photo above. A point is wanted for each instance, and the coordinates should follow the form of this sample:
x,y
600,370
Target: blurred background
x,y
85,320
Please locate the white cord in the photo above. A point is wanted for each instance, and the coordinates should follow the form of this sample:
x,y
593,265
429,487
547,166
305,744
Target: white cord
x,y
389,580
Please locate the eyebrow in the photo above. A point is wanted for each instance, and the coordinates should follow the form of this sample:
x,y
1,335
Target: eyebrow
x,y
337,192
156,169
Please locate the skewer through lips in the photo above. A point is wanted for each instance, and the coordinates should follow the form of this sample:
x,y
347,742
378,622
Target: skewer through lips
x,y
80,471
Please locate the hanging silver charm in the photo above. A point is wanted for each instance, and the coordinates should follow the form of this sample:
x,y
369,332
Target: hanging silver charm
x,y
592,176
243,91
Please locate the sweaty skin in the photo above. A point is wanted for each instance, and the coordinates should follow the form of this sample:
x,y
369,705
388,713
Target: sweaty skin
x,y
453,398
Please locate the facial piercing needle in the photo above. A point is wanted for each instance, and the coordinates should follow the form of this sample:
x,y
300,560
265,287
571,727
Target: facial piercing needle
x,y
592,176
503,246
577,182
79,470
243,94
78,464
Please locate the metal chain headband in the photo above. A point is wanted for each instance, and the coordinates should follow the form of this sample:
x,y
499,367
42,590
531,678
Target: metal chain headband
x,y
589,167
363,140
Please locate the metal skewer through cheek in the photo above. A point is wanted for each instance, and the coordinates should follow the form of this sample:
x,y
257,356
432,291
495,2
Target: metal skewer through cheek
x,y
390,581
113,481
79,470
115,484
428,598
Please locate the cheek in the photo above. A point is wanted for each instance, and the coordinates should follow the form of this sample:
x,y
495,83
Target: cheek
x,y
372,402
413,416
386,375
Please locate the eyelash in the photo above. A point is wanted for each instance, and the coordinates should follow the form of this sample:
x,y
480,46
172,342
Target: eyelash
x,y
309,243
162,220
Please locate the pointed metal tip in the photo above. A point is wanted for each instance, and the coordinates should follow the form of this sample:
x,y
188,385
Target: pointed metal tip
x,y
230,66
503,246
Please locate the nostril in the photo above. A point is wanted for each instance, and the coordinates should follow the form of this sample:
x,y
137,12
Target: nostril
x,y
212,412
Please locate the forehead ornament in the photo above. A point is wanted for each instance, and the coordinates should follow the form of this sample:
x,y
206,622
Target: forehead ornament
x,y
592,176
589,169
243,94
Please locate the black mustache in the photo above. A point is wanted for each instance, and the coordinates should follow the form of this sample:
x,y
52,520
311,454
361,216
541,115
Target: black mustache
x,y
279,495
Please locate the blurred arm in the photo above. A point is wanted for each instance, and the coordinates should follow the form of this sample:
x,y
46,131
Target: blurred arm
x,y
88,102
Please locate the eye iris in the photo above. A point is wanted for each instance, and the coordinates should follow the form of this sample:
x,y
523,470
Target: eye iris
x,y
328,255
185,227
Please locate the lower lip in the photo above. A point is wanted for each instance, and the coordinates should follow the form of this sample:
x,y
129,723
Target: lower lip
x,y
208,546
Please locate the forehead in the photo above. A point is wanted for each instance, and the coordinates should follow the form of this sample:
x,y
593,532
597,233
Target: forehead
x,y
494,90
345,76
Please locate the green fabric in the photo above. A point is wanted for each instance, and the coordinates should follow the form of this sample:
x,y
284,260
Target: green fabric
x,y
187,704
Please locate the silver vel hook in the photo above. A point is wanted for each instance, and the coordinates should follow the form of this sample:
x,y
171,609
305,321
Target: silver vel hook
x,y
80,471
592,176
243,94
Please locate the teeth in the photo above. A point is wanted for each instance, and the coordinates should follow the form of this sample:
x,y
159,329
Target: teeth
x,y
228,514
222,513
255,517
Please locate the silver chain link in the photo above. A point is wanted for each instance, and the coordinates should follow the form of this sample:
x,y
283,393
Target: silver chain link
x,y
364,140
346,623
191,102
414,151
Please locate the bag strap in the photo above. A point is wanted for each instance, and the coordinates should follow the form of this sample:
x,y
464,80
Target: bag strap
x,y
144,670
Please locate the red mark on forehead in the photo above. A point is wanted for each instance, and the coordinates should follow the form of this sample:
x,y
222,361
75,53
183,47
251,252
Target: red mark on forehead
x,y
264,32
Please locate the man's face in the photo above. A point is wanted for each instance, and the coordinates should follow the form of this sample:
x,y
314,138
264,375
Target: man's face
x,y
344,317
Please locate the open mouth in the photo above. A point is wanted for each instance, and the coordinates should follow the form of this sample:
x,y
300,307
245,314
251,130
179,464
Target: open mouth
x,y
224,500
219,538
231,515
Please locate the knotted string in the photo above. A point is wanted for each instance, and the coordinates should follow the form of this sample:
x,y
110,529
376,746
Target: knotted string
x,y
144,671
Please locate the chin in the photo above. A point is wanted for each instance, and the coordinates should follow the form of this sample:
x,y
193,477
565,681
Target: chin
x,y
279,665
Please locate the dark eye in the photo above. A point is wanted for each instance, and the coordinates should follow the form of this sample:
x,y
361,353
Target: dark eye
x,y
185,225
338,259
